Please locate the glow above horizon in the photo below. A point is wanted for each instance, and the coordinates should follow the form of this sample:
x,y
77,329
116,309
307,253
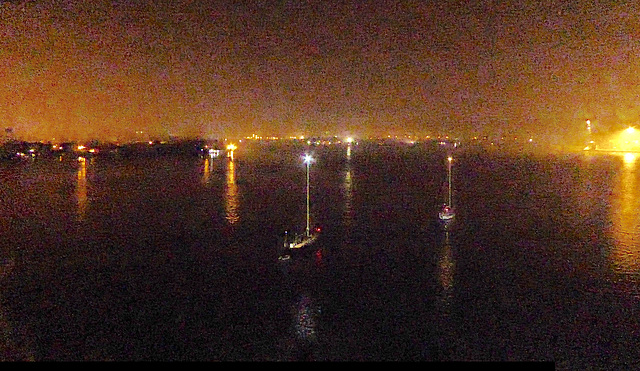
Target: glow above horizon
x,y
124,71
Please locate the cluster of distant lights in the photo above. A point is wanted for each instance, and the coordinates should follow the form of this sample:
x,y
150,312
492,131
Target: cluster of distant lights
x,y
443,140
412,138
81,148
301,137
56,147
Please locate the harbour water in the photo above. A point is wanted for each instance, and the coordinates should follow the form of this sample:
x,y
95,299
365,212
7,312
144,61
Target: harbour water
x,y
175,258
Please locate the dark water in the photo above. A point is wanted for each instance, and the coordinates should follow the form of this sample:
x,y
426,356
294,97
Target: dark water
x,y
175,258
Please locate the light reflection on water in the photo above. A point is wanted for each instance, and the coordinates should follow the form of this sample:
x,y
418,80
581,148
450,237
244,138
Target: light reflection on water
x,y
348,212
231,194
305,322
446,266
445,297
626,204
324,314
206,173
348,199
81,187
303,337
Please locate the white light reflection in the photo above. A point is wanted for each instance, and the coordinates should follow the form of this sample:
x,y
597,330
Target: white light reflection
x,y
81,187
446,266
444,298
231,195
305,323
348,213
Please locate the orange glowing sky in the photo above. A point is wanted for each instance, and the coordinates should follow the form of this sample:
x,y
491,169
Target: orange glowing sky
x,y
105,69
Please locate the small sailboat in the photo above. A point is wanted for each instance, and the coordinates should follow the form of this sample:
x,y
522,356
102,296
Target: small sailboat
x,y
309,236
448,213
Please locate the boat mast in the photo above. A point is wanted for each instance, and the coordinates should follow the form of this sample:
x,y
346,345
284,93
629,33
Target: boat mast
x,y
450,159
307,160
307,199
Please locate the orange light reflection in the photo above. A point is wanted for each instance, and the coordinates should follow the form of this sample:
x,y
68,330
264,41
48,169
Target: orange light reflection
x,y
231,195
81,187
626,203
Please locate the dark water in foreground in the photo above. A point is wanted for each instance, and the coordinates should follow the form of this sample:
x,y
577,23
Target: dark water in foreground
x,y
175,259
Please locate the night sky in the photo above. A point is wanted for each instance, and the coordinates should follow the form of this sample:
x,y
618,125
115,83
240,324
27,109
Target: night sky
x,y
106,69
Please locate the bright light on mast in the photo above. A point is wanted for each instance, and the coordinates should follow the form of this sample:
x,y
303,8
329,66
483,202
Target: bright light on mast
x,y
308,159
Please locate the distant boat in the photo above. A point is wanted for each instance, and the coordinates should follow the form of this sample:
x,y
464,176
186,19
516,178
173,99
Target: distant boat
x,y
448,213
302,240
298,241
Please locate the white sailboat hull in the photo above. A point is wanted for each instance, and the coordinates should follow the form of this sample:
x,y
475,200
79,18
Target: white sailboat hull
x,y
446,216
307,240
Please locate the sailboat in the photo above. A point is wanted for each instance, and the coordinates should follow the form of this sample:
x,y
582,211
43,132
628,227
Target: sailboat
x,y
309,236
448,213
